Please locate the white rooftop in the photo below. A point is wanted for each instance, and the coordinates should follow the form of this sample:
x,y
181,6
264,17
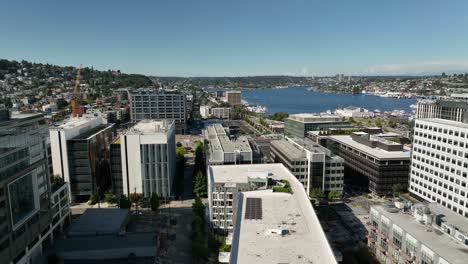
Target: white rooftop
x,y
253,241
148,127
315,117
444,122
374,152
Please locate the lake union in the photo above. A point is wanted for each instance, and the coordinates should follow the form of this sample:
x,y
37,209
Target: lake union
x,y
300,100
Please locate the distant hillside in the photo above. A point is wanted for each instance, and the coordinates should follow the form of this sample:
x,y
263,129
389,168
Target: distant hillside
x,y
33,75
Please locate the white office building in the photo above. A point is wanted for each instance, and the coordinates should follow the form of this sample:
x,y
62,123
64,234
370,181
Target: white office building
x,y
439,169
148,158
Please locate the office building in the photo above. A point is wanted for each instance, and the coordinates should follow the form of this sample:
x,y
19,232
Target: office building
x,y
221,112
372,162
207,111
267,226
313,165
234,98
297,125
32,208
148,158
417,233
439,168
220,149
80,154
455,109
159,105
115,158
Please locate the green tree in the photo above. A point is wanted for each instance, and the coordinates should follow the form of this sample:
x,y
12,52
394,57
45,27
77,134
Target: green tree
x,y
200,184
316,193
110,198
180,152
179,144
397,189
154,202
124,202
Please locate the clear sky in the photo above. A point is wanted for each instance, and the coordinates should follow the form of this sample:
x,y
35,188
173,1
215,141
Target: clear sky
x,y
240,37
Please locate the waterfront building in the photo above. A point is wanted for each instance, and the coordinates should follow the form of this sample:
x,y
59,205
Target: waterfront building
x,y
420,233
148,158
354,111
297,125
265,226
220,149
158,105
233,98
439,168
372,161
32,208
80,154
313,165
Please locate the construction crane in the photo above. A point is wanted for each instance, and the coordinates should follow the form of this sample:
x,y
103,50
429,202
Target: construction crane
x,y
75,91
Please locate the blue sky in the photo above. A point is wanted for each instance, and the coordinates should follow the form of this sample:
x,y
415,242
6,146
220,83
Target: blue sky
x,y
239,38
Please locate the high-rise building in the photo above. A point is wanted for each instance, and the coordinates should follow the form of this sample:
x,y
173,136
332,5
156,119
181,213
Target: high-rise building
x,y
234,98
32,207
297,125
372,162
80,154
450,109
313,165
159,105
419,233
220,149
148,158
264,224
439,165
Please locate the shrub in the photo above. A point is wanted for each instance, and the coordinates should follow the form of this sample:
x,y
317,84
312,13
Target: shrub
x,y
110,198
154,202
93,199
124,202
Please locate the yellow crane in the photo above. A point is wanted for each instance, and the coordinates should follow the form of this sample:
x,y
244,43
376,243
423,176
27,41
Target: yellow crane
x,y
75,91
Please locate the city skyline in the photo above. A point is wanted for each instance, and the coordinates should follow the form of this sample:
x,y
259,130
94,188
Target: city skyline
x,y
300,38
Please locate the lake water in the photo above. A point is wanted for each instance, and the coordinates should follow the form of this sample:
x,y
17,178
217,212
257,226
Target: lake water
x,y
300,100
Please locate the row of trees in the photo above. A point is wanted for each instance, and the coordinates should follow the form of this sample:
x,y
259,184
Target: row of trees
x,y
200,187
317,193
180,168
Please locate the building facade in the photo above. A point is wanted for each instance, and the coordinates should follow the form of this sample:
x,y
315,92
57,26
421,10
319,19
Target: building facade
x,y
233,98
32,209
439,168
148,158
298,125
313,165
159,105
453,109
80,154
417,234
372,162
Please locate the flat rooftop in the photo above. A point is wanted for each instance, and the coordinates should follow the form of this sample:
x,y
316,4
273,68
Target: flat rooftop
x,y
99,221
253,240
444,122
291,150
315,117
77,122
93,131
374,152
447,247
148,127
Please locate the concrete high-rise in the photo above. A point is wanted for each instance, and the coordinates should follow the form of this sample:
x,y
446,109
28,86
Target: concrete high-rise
x,y
148,158
159,105
439,165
